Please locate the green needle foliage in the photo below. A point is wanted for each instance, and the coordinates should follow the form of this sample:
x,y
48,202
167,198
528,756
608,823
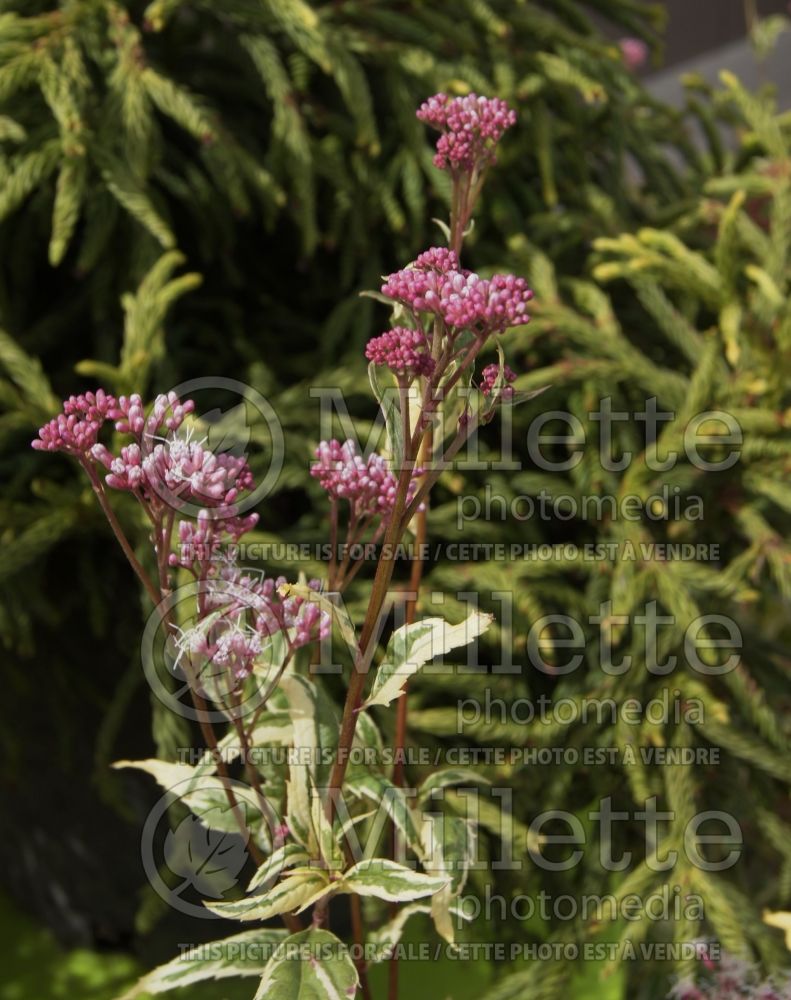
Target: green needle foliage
x,y
696,314
273,144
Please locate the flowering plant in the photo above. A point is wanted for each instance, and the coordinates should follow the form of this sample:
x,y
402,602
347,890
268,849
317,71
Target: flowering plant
x,y
252,651
730,978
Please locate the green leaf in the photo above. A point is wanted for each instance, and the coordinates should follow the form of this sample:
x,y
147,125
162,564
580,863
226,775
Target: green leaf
x,y
390,881
444,228
29,171
391,802
177,103
287,856
324,836
69,193
272,729
368,747
315,729
447,779
388,399
10,130
765,33
145,311
293,892
28,375
244,954
412,646
386,937
203,793
487,813
132,196
561,71
449,846
311,965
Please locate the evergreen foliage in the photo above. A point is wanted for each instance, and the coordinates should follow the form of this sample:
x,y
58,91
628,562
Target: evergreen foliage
x,y
188,188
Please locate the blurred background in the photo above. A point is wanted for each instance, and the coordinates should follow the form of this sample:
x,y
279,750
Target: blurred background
x,y
189,188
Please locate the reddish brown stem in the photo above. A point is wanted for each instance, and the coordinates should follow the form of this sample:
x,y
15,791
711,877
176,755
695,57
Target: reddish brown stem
x,y
460,214
381,583
333,543
118,531
358,935
422,492
415,578
399,741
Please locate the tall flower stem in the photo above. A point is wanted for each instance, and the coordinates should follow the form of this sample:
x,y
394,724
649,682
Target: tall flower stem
x,y
460,213
118,531
432,476
381,584
399,740
292,922
358,934
415,579
201,708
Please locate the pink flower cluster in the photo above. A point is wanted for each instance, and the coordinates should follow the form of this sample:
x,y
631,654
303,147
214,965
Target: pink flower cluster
x,y
240,610
162,466
731,978
200,542
489,379
302,618
403,350
251,612
225,643
634,52
165,469
441,259
76,430
471,127
167,413
182,469
161,463
369,485
464,300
